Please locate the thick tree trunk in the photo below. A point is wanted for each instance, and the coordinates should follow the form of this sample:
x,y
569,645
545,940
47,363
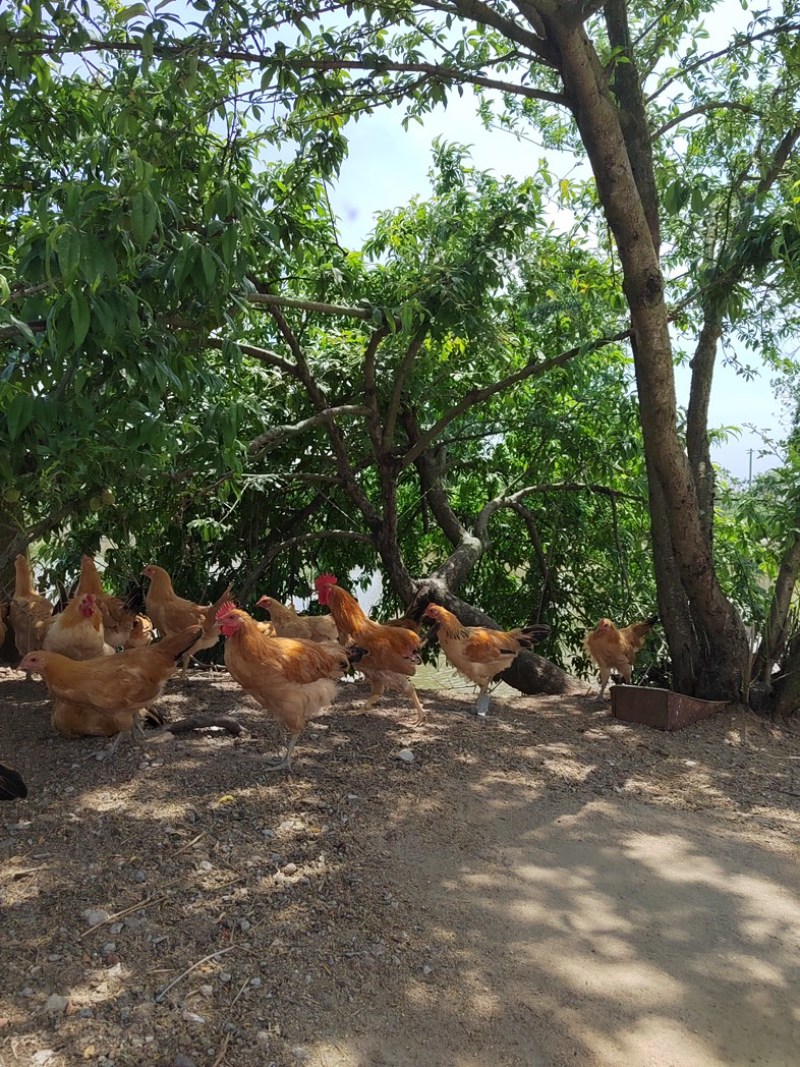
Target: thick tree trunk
x,y
721,639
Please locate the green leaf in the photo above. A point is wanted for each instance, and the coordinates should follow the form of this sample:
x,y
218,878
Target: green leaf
x,y
18,414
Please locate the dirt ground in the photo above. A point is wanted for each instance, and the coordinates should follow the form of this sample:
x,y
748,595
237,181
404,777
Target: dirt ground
x,y
548,888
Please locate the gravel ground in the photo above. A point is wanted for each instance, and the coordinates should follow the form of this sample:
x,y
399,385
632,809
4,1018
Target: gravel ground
x,y
549,887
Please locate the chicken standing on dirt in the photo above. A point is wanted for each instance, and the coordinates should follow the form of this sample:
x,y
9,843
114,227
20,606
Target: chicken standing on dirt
x,y
615,650
288,623
291,678
29,613
171,613
391,653
78,631
479,653
129,681
12,786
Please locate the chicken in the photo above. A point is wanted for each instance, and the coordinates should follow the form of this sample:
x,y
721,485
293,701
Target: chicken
x,y
288,623
126,682
141,632
29,613
292,678
170,613
11,784
479,653
615,650
78,631
391,653
118,617
76,720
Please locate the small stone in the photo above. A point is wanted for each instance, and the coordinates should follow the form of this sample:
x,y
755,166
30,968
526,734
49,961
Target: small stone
x,y
86,1013
255,983
204,865
244,924
207,990
182,1061
193,1017
426,970
406,755
262,1038
109,947
95,916
300,1053
226,977
115,928
139,876
290,868
56,1004
42,1057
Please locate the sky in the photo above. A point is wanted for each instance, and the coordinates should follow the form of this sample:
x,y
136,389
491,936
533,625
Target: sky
x,y
387,166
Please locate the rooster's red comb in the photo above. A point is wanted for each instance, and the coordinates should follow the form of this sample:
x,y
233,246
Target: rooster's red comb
x,y
325,579
227,607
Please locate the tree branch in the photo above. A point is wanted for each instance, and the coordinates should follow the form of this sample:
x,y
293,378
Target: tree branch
x,y
272,438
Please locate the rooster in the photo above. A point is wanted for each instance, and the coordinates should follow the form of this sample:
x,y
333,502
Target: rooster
x,y
291,678
615,650
11,784
288,623
391,653
131,680
78,631
171,613
29,613
479,653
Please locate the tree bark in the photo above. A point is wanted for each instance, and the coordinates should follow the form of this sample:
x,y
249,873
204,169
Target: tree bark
x,y
721,638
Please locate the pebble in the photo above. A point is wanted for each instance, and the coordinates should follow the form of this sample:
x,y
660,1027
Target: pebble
x,y
42,1057
193,1017
226,977
406,755
109,947
290,868
56,1004
182,1061
204,865
255,983
94,916
207,990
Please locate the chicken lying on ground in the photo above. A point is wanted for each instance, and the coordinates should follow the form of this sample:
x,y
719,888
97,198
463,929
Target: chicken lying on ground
x,y
171,613
118,616
615,650
288,623
391,653
29,613
12,786
126,682
75,720
290,677
479,653
78,631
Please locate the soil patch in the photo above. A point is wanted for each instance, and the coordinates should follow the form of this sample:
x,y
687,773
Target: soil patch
x,y
548,887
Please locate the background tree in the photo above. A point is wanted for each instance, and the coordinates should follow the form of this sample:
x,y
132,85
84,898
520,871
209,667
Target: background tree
x,y
608,82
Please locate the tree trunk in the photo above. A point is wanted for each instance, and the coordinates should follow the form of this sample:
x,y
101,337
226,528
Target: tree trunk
x,y
721,638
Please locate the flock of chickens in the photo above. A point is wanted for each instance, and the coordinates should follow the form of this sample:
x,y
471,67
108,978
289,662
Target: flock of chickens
x,y
104,669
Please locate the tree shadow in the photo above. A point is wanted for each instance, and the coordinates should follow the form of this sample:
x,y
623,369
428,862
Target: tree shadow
x,y
519,893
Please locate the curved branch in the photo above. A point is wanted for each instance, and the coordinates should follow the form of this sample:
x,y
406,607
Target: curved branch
x,y
477,396
272,438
